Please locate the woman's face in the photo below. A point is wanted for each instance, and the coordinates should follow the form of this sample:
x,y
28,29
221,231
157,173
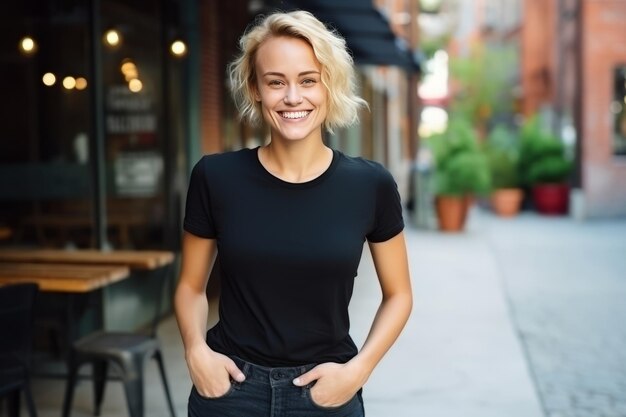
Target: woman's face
x,y
289,88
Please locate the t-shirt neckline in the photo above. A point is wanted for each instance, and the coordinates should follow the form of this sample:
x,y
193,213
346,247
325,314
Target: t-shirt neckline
x,y
320,178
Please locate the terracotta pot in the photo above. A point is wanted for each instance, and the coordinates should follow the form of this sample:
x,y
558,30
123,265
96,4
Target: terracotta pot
x,y
551,199
451,212
470,200
506,202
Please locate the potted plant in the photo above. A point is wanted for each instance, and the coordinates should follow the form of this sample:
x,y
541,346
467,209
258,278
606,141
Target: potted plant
x,y
461,171
544,169
502,154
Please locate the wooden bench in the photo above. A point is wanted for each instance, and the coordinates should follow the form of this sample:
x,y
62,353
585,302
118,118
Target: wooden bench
x,y
59,277
134,259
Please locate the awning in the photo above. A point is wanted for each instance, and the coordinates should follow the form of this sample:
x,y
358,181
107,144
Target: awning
x,y
365,29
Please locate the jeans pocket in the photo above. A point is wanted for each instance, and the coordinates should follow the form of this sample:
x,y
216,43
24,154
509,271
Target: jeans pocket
x,y
343,406
204,398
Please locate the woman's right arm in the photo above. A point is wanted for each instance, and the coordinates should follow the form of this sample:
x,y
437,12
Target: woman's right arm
x,y
210,371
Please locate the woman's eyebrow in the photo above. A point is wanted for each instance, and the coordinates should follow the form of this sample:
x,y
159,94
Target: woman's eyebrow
x,y
280,74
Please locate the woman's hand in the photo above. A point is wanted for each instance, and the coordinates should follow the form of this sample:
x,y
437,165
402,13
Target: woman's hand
x,y
211,372
336,383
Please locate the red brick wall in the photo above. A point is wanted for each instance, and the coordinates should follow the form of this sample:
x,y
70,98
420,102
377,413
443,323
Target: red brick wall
x,y
604,47
538,56
211,79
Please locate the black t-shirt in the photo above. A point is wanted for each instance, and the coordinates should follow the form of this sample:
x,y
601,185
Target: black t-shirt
x,y
288,252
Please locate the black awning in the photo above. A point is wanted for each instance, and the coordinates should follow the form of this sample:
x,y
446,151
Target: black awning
x,y
365,29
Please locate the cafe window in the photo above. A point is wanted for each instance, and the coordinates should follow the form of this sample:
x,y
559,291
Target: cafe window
x,y
45,119
132,76
618,108
46,175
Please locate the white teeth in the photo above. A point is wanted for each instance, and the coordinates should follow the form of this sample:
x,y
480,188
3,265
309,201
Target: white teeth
x,y
295,114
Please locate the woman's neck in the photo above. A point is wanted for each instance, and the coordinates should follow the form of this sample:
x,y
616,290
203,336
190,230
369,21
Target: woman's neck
x,y
296,162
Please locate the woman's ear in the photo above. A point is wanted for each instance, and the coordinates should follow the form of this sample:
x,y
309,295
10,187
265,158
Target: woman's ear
x,y
255,92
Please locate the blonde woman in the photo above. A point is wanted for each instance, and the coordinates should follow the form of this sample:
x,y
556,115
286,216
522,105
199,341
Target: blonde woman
x,y
289,220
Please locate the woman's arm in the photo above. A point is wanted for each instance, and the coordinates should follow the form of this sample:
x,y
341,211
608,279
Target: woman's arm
x,y
390,260
334,385
209,370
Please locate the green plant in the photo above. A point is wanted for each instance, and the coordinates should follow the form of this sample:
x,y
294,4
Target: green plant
x,y
461,167
482,84
503,169
502,152
542,156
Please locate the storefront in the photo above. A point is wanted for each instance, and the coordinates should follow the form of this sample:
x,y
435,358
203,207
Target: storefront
x,y
93,123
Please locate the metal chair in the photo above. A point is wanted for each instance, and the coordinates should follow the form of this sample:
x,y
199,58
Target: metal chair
x,y
16,320
128,351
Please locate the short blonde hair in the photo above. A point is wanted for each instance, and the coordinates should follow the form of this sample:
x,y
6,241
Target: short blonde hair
x,y
338,76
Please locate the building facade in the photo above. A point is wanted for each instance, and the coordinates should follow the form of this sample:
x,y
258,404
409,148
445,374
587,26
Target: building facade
x,y
574,69
571,72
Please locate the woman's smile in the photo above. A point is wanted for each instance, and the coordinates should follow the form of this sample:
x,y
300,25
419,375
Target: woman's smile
x,y
294,115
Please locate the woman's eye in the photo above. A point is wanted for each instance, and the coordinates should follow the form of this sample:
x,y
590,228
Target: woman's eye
x,y
308,81
275,83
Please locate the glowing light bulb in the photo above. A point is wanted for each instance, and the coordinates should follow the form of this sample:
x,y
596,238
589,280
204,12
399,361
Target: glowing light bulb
x,y
81,83
135,85
128,66
178,48
112,38
49,79
28,45
69,83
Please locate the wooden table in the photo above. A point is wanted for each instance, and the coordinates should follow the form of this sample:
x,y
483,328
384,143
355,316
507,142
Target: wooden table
x,y
91,273
134,259
80,282
59,277
76,289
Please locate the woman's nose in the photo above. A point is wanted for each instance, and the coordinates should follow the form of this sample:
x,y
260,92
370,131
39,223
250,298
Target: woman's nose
x,y
293,96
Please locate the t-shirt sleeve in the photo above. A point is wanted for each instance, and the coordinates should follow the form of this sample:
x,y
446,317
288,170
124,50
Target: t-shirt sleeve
x,y
198,216
388,222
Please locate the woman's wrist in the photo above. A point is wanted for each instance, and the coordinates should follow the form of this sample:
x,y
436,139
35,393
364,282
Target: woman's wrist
x,y
192,347
361,367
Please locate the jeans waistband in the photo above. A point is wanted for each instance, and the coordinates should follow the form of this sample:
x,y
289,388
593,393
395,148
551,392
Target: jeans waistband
x,y
271,375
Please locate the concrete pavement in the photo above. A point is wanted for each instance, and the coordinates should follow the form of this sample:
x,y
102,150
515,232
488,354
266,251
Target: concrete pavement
x,y
566,282
459,354
511,318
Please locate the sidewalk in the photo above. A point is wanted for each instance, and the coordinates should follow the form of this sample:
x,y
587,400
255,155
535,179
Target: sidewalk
x,y
459,354
513,318
566,283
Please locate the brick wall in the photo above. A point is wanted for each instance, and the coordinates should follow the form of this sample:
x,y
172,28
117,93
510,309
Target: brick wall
x,y
604,176
538,56
211,79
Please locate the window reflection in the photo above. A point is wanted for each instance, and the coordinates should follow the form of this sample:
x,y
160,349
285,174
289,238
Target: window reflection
x,y
46,176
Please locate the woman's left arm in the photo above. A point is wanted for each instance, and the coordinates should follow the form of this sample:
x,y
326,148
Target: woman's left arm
x,y
390,260
335,385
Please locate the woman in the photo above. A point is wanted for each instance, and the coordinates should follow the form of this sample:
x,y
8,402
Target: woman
x,y
289,221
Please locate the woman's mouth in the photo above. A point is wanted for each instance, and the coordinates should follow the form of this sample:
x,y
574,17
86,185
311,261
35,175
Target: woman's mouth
x,y
294,115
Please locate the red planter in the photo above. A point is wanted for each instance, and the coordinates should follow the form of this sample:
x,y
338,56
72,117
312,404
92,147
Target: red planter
x,y
551,199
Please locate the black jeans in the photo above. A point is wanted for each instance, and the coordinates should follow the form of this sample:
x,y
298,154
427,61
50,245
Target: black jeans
x,y
269,392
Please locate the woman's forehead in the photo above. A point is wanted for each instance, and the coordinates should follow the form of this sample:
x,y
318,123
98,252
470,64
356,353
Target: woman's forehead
x,y
286,53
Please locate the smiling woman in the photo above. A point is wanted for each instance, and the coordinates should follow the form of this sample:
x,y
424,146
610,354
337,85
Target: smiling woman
x,y
290,219
289,89
330,53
